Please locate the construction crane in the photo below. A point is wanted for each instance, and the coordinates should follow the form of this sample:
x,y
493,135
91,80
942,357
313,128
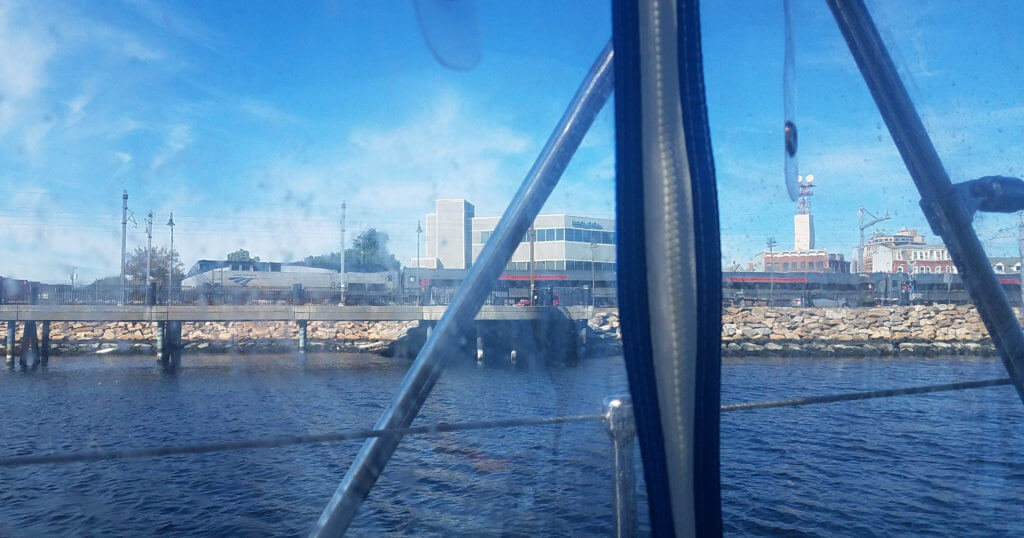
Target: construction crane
x,y
863,226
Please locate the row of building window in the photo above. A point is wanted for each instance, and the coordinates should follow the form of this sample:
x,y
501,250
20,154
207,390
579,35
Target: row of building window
x,y
917,254
560,265
565,234
802,266
926,269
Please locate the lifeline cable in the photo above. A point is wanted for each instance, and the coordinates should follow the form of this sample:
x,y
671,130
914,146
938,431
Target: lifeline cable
x,y
286,440
289,440
867,395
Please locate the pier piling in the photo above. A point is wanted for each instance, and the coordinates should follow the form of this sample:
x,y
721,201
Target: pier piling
x,y
11,329
303,325
160,329
170,351
44,343
29,346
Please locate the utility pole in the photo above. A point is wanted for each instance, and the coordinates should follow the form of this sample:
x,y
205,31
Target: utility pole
x,y
531,235
771,269
170,266
863,226
341,255
149,252
419,283
124,237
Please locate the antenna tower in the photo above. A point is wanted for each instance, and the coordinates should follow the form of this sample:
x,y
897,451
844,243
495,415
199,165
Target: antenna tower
x,y
806,187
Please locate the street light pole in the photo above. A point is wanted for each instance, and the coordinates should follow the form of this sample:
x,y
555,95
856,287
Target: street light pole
x,y
419,283
149,252
170,266
771,264
124,237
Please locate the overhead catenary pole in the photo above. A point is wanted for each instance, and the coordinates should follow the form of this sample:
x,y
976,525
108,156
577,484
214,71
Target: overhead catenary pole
x,y
124,238
341,252
863,226
149,252
771,268
341,256
170,265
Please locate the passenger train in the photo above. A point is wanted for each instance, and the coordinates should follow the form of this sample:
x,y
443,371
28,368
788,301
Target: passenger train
x,y
851,289
236,282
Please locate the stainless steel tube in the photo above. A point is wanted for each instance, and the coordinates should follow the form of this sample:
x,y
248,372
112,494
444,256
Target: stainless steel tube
x,y
941,207
618,416
524,207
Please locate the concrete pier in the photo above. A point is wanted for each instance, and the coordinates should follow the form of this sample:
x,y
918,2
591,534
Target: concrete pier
x,y
529,335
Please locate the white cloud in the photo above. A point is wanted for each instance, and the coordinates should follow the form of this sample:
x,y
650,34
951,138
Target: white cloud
x,y
177,24
26,51
389,175
178,138
266,112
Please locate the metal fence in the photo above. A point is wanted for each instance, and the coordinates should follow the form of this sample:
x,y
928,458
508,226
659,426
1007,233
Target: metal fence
x,y
65,294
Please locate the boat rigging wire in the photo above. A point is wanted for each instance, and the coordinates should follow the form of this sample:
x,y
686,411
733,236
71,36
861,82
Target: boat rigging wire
x,y
866,395
948,212
285,440
433,429
523,208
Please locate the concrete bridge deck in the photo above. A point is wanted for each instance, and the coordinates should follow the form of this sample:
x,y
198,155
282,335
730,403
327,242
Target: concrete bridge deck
x,y
266,313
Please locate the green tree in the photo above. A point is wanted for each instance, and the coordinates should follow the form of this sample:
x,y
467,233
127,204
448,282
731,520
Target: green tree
x,y
241,255
369,253
107,282
135,266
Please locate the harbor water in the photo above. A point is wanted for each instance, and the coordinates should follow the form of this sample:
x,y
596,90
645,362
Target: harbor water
x,y
942,463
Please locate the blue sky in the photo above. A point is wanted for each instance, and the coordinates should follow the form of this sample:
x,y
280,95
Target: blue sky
x,y
252,122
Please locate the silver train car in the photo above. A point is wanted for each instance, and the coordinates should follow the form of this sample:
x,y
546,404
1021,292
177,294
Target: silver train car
x,y
236,282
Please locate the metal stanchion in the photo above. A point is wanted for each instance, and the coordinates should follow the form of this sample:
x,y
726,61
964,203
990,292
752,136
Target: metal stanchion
x,y
618,417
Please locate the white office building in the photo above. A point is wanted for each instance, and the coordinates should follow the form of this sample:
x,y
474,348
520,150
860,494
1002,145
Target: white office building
x,y
563,242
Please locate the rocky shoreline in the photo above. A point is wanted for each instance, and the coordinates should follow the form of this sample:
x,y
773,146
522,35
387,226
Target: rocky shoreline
x,y
215,337
847,332
746,331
